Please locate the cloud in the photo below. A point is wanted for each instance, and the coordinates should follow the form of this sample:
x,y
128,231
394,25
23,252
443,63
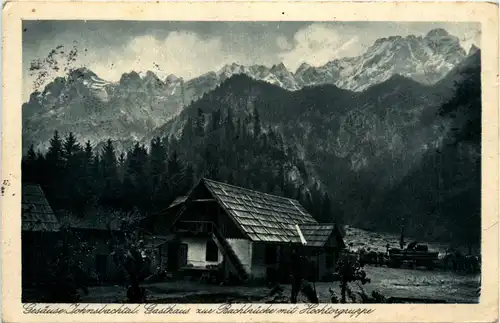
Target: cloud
x,y
283,43
317,44
181,53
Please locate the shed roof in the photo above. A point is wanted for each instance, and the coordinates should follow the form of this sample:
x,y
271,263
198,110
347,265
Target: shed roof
x,y
37,215
178,201
317,235
262,217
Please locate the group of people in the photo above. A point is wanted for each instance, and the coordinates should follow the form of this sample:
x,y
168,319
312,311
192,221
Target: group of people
x,y
456,261
300,267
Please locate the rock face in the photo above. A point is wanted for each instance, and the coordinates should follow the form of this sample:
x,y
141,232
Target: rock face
x,y
424,59
277,74
96,110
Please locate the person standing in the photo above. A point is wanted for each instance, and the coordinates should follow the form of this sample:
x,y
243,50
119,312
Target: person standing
x,y
402,237
297,274
299,268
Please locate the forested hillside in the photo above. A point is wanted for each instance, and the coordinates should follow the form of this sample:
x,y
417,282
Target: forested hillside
x,y
240,151
441,198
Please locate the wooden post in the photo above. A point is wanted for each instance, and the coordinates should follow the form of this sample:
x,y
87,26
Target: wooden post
x,y
227,269
317,265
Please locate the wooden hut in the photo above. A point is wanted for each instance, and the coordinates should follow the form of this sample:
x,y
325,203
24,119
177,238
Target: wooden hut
x,y
246,232
39,235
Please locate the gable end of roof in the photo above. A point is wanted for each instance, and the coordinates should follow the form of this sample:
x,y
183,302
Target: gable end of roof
x,y
262,217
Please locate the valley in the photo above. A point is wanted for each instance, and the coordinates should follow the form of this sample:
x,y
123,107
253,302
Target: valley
x,y
366,131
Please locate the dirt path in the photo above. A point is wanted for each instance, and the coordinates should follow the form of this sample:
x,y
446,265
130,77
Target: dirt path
x,y
449,286
405,283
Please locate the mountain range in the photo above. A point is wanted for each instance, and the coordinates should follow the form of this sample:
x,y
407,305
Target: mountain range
x,y
425,59
130,109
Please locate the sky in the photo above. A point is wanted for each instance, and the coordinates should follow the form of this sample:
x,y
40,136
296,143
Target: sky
x,y
189,49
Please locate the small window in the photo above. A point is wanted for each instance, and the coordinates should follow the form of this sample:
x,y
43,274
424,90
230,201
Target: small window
x,y
212,252
271,254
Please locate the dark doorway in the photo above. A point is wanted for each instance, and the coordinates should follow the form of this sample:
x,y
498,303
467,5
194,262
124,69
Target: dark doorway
x,y
183,254
176,255
212,252
271,254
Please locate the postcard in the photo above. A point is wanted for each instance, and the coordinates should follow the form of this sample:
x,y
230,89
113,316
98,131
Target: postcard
x,y
250,161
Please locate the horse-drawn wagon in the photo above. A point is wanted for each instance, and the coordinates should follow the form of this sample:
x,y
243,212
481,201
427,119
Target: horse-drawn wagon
x,y
415,255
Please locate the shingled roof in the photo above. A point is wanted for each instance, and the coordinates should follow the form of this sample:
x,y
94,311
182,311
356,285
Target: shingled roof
x,y
262,217
37,215
317,235
178,201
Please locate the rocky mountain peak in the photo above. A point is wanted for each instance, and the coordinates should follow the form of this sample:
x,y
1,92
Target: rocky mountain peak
x,y
229,68
131,78
149,75
437,32
133,75
279,67
304,66
425,59
473,49
171,79
152,80
81,74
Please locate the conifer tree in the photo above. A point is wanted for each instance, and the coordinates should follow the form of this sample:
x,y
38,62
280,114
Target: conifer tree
x,y
70,146
88,152
31,154
73,185
109,166
238,129
188,131
256,123
215,120
55,170
173,183
122,164
174,165
231,178
88,181
229,125
188,179
157,169
200,123
29,166
55,152
108,159
326,215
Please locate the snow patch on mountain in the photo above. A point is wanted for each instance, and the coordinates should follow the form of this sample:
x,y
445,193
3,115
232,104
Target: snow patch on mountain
x,y
277,74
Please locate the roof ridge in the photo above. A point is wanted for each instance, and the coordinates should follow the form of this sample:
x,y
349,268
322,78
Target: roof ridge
x,y
250,190
317,223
